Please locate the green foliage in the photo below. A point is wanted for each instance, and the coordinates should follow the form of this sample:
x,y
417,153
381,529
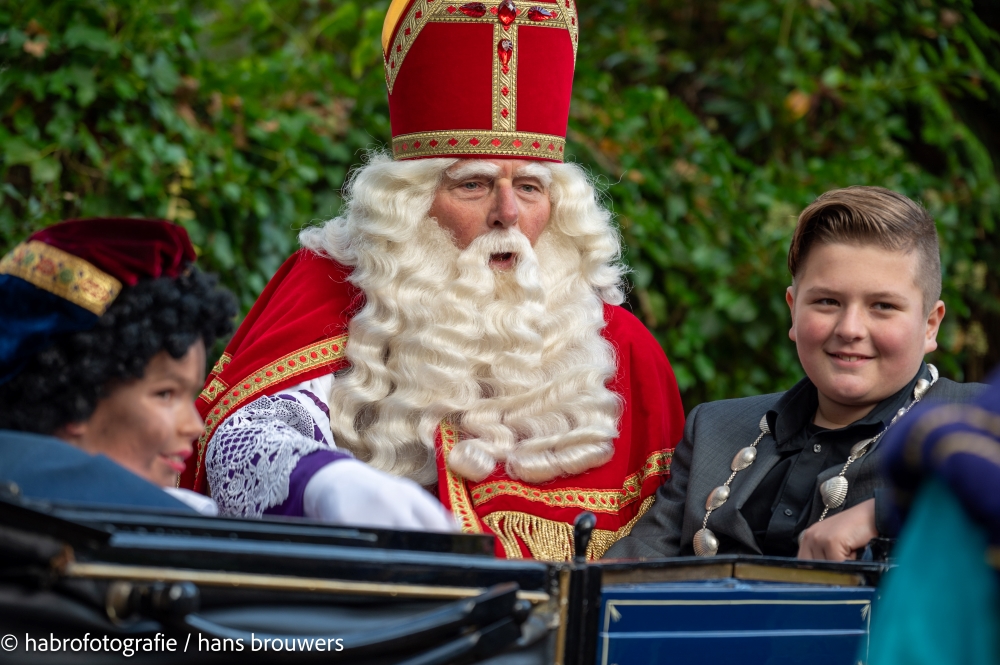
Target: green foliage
x,y
712,124
238,121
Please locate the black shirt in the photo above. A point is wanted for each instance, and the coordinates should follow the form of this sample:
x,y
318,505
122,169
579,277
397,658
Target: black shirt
x,y
779,509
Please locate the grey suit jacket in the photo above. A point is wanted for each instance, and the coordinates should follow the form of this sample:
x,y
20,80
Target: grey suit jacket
x,y
714,432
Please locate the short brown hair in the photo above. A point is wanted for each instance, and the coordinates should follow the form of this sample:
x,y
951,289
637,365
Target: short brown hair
x,y
871,216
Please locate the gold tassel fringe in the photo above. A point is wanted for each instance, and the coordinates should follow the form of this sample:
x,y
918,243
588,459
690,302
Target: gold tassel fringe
x,y
549,540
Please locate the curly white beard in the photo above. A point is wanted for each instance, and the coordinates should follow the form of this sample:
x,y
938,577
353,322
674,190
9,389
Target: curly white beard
x,y
515,359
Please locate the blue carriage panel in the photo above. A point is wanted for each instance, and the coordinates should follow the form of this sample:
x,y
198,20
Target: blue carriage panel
x,y
722,621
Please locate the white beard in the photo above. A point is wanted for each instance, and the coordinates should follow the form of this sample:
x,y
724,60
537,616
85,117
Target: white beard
x,y
515,359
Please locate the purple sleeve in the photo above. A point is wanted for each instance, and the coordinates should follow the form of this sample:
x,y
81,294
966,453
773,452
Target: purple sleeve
x,y
300,477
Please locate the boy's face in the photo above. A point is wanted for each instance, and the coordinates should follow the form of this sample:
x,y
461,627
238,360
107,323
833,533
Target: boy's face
x,y
859,326
149,425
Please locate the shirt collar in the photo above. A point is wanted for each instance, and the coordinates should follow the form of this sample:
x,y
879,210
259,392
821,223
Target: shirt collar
x,y
797,407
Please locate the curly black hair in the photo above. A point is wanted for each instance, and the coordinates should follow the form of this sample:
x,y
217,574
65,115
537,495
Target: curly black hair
x,y
63,383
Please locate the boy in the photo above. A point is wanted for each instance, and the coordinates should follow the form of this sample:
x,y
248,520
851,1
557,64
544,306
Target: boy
x,y
796,473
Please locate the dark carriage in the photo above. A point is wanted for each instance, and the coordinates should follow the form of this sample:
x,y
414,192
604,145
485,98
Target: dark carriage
x,y
179,588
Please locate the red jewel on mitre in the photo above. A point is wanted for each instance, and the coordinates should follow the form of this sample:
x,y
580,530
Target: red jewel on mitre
x,y
486,79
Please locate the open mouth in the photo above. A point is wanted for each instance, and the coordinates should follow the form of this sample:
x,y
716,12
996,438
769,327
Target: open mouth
x,y
502,260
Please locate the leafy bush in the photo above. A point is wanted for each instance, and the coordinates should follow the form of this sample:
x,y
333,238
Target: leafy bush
x,y
712,124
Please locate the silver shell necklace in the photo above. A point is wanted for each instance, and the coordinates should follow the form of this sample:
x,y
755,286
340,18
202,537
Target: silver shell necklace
x,y
832,491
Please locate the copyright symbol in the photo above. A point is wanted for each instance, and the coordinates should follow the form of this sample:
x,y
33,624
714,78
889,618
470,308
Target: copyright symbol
x,y
9,642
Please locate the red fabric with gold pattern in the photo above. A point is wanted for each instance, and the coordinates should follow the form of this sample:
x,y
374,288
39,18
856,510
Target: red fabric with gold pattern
x,y
535,520
489,79
296,331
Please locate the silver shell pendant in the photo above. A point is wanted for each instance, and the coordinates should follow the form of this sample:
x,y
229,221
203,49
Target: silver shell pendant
x,y
921,389
717,497
705,543
744,458
834,491
859,448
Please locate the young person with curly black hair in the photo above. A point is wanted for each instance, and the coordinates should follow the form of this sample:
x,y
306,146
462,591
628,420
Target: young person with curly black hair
x,y
103,343
105,327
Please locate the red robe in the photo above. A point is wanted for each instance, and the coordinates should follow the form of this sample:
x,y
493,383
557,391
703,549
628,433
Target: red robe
x,y
297,330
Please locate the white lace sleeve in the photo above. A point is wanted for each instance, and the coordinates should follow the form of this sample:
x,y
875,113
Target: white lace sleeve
x,y
252,455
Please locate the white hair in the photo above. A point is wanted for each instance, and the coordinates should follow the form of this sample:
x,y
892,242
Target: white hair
x,y
515,359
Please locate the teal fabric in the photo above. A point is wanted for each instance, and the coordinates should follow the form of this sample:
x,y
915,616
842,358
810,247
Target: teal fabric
x,y
942,603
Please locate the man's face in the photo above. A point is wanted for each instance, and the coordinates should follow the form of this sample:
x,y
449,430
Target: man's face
x,y
477,196
149,425
859,326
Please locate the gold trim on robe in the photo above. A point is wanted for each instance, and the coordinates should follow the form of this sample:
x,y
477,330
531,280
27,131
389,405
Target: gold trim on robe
x,y
242,392
549,540
458,494
598,501
545,539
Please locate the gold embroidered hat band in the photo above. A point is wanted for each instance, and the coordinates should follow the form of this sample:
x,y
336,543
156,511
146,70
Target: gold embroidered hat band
x,y
833,492
62,274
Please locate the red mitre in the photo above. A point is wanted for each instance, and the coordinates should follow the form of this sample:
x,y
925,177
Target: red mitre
x,y
487,79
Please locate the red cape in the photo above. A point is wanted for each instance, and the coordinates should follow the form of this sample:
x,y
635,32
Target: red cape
x,y
297,330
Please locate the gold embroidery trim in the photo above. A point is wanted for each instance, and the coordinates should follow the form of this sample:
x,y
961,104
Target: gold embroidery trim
x,y
574,28
62,274
478,142
214,388
392,18
458,495
221,363
293,364
549,540
602,540
505,84
406,35
598,501
423,12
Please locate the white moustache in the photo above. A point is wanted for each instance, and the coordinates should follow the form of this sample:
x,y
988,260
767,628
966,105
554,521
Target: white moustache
x,y
497,242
